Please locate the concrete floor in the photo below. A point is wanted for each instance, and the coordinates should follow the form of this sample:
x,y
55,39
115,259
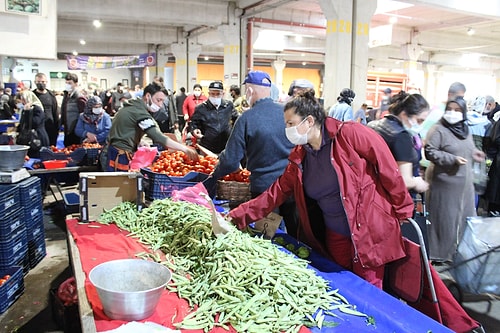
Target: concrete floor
x,y
32,312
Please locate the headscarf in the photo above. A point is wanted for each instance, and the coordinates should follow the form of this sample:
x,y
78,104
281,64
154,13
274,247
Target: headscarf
x,y
460,129
88,115
31,98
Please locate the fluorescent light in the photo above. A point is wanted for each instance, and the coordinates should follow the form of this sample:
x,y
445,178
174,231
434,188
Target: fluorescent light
x,y
75,53
471,31
83,42
270,40
97,23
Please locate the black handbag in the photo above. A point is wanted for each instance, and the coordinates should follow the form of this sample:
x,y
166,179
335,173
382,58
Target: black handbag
x,y
28,136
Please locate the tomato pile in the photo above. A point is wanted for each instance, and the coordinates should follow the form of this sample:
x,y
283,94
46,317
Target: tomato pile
x,y
177,164
68,150
238,176
4,279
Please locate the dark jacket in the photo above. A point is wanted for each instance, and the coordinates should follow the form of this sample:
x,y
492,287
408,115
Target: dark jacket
x,y
50,108
37,123
215,124
373,192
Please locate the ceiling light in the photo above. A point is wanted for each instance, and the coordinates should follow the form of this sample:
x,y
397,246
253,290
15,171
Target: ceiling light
x,y
393,20
206,58
83,42
75,53
304,63
471,31
97,23
298,39
302,54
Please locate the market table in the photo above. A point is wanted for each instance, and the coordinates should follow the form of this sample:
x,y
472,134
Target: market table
x,y
92,243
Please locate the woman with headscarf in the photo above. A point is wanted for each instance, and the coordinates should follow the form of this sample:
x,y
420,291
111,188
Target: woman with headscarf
x,y
32,118
450,149
93,124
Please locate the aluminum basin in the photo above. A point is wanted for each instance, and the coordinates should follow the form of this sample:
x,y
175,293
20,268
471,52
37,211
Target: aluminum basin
x,y
12,157
129,289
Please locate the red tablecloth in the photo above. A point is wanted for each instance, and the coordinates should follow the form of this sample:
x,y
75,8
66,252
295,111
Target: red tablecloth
x,y
99,243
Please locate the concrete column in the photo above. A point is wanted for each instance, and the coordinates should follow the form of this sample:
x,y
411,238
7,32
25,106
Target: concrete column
x,y
180,53
363,12
186,63
429,87
346,56
279,65
230,35
497,87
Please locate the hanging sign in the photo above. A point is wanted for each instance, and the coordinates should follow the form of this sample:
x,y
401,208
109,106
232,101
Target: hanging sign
x,y
81,62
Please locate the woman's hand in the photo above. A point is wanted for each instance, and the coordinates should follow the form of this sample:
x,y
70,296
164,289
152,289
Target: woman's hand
x,y
460,160
91,137
478,156
420,185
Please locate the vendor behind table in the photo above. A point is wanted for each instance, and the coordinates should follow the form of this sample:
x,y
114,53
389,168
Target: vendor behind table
x,y
93,124
131,123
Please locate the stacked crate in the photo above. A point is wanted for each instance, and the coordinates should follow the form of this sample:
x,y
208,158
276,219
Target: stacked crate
x,y
32,206
13,236
13,246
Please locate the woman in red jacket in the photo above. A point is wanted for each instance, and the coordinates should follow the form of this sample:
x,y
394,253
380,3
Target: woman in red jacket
x,y
349,192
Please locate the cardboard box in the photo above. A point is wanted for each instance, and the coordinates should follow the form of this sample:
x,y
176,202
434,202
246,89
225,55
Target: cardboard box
x,y
105,190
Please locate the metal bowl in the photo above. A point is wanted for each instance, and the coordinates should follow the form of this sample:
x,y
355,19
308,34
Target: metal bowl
x,y
129,289
12,157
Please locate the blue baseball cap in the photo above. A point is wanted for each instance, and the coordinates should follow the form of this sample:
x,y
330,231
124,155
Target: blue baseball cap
x,y
259,78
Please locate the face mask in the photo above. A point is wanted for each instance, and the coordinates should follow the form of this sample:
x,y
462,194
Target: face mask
x,y
197,93
96,110
152,106
248,96
215,100
293,135
41,86
453,117
20,106
414,128
68,87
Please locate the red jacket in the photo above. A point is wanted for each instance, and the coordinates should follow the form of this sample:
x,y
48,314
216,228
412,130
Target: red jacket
x,y
374,194
190,103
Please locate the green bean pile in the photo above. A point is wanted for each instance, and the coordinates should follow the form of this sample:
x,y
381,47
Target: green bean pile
x,y
235,279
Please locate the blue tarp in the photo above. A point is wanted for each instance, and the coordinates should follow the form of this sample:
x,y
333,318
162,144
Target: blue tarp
x,y
389,313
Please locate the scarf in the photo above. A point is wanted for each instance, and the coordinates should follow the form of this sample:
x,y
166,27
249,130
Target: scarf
x,y
460,129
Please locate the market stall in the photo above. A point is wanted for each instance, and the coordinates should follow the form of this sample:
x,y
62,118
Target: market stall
x,y
93,243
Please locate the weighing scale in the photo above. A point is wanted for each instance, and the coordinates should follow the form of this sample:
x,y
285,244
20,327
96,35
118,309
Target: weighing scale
x,y
13,176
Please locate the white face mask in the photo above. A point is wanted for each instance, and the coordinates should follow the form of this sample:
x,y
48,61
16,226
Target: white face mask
x,y
96,110
197,93
68,87
152,106
453,117
293,135
215,100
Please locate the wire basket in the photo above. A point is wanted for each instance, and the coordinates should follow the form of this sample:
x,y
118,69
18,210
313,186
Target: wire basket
x,y
233,191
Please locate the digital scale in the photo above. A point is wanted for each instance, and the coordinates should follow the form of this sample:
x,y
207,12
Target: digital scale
x,y
9,177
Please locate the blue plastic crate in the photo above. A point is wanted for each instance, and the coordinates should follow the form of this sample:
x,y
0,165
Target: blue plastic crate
x,y
33,213
13,250
75,157
11,225
160,186
35,230
30,191
37,250
13,288
9,199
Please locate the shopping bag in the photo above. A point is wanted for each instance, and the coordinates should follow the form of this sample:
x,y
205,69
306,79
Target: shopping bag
x,y
143,157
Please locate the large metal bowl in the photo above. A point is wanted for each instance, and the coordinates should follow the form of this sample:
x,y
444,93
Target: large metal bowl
x,y
129,289
12,157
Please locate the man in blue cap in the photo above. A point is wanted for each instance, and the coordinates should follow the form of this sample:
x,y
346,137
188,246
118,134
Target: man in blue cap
x,y
258,135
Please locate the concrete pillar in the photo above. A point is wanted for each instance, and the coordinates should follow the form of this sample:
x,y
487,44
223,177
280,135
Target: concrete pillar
x,y
363,12
497,87
186,63
230,35
346,50
279,65
429,88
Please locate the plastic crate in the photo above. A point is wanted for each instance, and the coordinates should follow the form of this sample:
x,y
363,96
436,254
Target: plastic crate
x,y
13,250
92,156
11,225
75,157
35,230
160,186
13,288
71,202
9,199
30,191
37,250
33,214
